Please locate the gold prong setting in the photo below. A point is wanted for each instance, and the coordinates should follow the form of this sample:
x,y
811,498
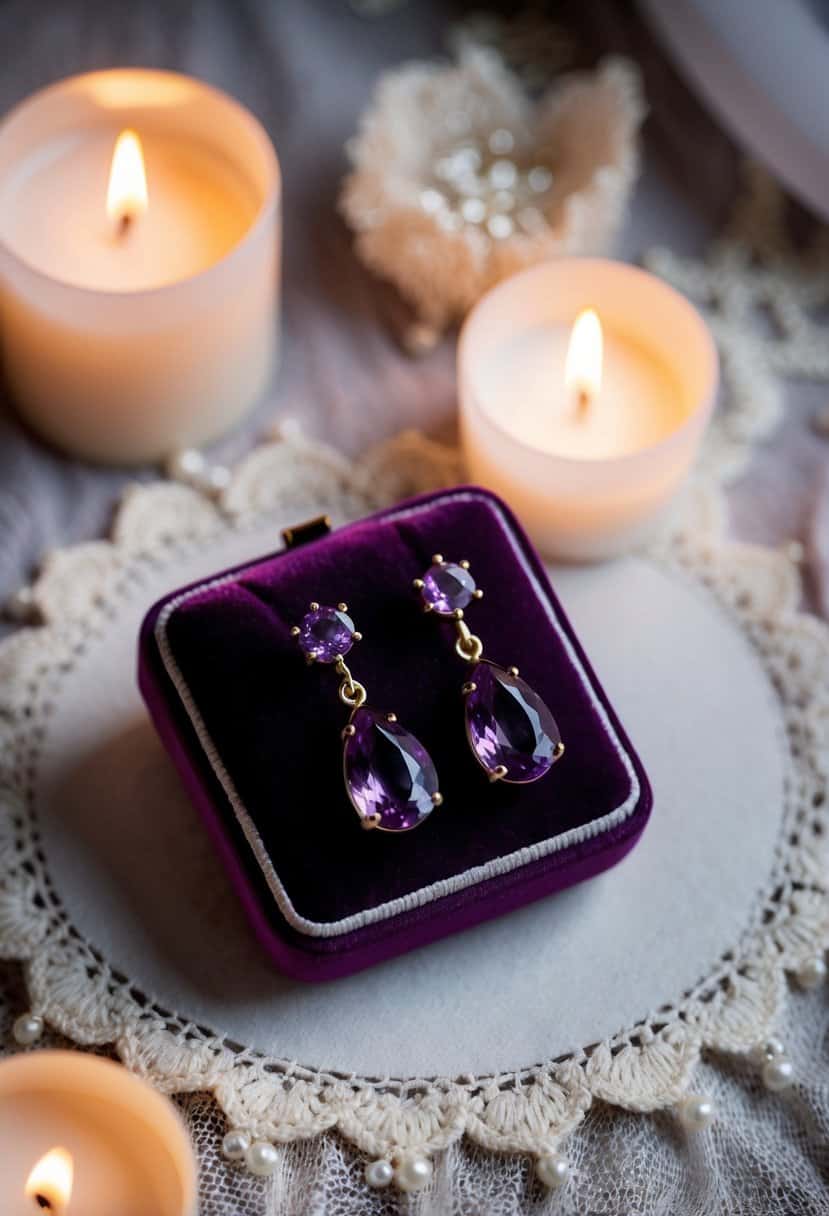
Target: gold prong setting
x,y
325,634
447,588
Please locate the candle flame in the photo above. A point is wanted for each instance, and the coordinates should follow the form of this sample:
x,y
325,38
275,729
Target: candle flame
x,y
583,366
127,190
50,1182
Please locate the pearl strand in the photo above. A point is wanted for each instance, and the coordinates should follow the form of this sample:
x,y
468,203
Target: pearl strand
x,y
410,1173
777,1070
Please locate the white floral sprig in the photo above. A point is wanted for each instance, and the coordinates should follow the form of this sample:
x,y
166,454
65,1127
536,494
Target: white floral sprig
x,y
459,180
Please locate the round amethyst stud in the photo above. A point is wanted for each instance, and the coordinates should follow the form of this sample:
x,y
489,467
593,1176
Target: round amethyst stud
x,y
326,634
389,775
512,733
447,587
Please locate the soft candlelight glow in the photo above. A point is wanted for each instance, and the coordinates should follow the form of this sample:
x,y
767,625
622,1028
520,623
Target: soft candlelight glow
x,y
133,327
586,430
127,190
583,365
50,1182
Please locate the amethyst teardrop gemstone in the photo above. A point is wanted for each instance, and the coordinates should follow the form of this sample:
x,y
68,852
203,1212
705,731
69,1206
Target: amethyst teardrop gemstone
x,y
508,724
388,772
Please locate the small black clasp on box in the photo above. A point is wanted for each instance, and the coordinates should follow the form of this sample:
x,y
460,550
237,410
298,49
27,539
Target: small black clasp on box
x,y
302,534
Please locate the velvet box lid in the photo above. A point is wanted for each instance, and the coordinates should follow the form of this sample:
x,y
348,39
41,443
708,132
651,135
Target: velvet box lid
x,y
256,736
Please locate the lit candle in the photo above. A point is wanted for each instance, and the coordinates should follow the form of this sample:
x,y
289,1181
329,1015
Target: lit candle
x,y
127,188
139,244
49,1185
82,1136
585,389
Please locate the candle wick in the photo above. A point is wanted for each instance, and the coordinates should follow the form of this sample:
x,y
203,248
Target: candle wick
x,y
583,400
124,224
44,1202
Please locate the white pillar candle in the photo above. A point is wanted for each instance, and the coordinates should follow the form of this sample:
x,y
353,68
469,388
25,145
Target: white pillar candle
x,y
124,339
588,467
89,1138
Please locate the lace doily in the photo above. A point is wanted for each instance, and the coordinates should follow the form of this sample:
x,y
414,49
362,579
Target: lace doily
x,y
645,1067
762,297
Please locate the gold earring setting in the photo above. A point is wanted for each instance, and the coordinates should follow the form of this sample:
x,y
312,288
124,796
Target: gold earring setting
x,y
511,731
389,776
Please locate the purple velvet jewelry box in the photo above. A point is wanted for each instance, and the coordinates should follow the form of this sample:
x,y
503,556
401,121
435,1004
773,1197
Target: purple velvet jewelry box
x,y
256,736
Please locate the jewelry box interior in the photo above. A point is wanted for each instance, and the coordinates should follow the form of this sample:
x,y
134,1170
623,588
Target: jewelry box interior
x,y
256,734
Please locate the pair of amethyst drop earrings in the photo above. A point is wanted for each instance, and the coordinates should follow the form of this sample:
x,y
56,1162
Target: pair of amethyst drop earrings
x,y
389,775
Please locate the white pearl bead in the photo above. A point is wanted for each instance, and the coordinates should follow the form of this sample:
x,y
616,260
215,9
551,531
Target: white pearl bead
x,y
812,973
696,1112
413,1173
778,1074
216,479
186,464
553,1170
769,1050
379,1173
261,1158
27,1029
235,1145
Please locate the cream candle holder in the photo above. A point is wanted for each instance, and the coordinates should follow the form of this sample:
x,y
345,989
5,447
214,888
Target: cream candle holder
x,y
122,1146
587,483
122,345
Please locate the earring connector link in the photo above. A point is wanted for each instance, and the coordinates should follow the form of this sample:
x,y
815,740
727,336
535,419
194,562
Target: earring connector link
x,y
352,692
468,646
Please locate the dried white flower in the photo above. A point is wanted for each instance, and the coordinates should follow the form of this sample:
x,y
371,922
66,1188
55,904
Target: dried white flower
x,y
459,180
